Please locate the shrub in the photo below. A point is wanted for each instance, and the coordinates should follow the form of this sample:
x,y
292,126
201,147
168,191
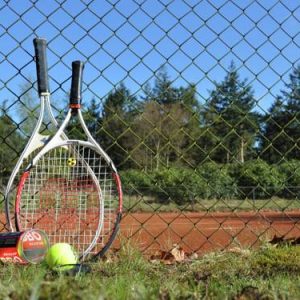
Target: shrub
x,y
291,171
257,179
252,179
136,182
179,185
218,180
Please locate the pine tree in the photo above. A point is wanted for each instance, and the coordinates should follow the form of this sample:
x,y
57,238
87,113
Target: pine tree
x,y
230,122
92,117
282,123
114,132
163,92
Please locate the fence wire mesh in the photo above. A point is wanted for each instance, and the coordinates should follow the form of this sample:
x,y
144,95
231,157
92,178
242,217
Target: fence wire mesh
x,y
197,103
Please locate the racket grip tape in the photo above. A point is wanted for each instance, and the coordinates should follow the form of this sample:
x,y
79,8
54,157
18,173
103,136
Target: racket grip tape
x,y
76,85
40,46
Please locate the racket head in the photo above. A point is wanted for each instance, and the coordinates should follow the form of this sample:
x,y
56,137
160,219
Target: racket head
x,y
73,193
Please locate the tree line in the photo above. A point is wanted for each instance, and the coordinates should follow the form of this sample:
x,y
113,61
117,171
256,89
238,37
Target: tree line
x,y
167,126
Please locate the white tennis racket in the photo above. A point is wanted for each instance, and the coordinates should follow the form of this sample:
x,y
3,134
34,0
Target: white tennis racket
x,y
71,189
38,139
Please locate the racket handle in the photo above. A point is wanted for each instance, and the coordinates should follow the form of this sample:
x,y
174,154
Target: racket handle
x,y
40,46
76,85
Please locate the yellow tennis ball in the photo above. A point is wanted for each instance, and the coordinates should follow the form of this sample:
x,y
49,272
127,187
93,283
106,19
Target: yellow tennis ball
x,y
61,256
71,162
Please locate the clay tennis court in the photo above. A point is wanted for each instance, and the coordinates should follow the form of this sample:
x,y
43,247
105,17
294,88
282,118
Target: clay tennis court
x,y
202,232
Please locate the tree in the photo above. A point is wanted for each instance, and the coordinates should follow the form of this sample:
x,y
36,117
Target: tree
x,y
162,131
230,122
28,108
163,92
167,125
114,128
92,116
281,131
11,144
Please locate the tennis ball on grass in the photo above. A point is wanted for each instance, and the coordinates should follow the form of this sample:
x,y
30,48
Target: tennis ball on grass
x,y
61,256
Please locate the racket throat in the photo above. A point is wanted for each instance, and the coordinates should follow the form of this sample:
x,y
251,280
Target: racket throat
x,y
74,108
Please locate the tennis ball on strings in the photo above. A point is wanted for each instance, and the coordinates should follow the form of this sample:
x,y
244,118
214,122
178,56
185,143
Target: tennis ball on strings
x,y
61,256
71,162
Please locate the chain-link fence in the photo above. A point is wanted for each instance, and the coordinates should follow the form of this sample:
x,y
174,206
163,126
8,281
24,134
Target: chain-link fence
x,y
197,103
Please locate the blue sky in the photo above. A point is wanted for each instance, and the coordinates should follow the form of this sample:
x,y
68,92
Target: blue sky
x,y
129,40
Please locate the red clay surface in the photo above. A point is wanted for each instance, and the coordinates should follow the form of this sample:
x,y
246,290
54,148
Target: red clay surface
x,y
202,232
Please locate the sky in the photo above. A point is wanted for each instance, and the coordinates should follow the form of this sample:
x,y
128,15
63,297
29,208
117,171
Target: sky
x,y
130,40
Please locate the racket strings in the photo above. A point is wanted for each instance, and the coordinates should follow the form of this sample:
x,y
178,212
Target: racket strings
x,y
70,193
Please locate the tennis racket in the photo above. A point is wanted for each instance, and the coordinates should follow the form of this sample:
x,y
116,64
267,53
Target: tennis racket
x,y
40,134
71,190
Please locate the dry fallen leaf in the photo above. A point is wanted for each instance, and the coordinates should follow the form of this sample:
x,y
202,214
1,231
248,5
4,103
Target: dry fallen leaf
x,y
178,253
194,256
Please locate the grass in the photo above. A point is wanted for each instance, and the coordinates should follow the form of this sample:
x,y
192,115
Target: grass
x,y
267,273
